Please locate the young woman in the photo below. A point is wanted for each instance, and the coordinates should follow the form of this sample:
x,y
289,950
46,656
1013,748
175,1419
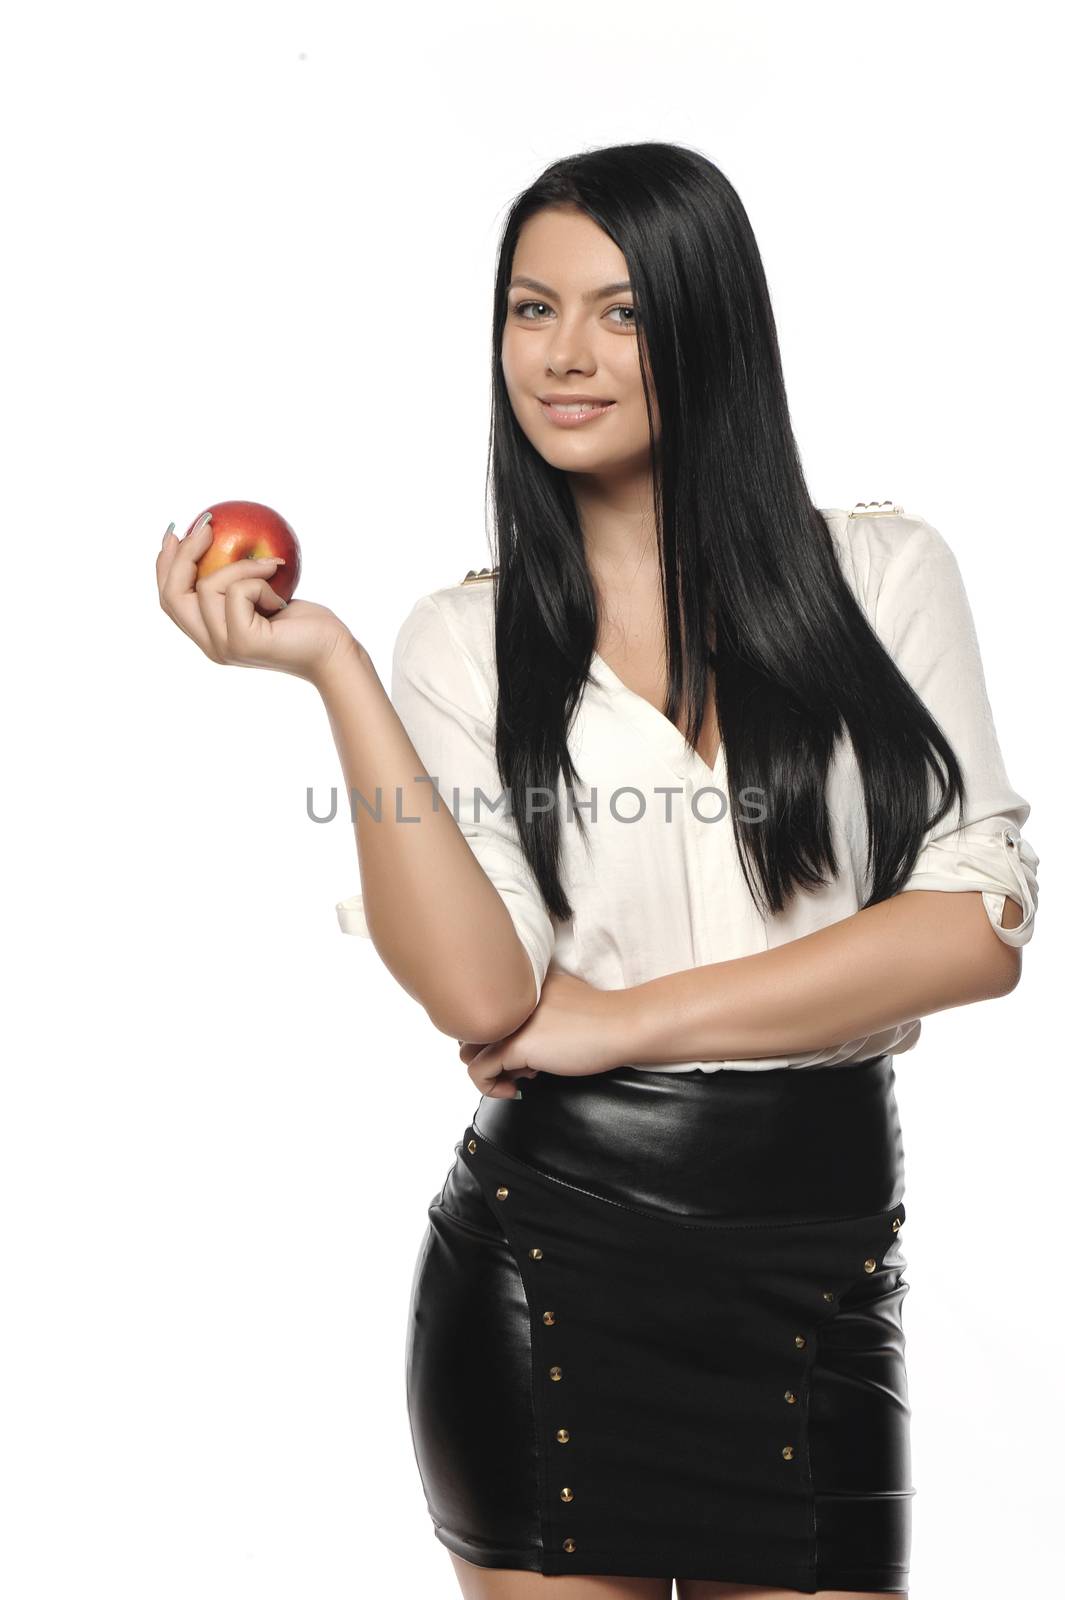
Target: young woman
x,y
724,816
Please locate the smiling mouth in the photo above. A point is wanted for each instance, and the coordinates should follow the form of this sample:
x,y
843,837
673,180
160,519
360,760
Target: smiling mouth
x,y
577,405
574,413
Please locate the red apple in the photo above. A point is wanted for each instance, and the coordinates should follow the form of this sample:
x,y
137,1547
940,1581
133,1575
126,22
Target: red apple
x,y
241,528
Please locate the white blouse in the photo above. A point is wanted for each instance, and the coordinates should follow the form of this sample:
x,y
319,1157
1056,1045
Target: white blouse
x,y
659,888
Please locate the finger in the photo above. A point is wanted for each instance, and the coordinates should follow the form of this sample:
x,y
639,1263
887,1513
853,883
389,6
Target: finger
x,y
503,1088
247,630
176,572
475,1055
213,592
187,614
480,1074
177,559
503,1085
485,1081
492,1078
233,571
163,559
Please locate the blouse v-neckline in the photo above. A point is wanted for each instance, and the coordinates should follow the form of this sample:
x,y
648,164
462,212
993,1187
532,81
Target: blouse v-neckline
x,y
665,735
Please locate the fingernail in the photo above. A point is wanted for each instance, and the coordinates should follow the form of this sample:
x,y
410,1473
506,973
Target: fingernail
x,y
517,1094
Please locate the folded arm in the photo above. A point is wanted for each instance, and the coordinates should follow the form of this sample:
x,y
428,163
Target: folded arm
x,y
909,956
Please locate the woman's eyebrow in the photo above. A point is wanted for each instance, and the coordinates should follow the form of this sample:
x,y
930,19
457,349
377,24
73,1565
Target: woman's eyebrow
x,y
592,294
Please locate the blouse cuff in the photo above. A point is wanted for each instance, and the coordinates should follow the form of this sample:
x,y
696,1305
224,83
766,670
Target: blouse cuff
x,y
999,864
350,916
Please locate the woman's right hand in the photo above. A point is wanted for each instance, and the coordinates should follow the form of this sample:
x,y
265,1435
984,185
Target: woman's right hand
x,y
219,613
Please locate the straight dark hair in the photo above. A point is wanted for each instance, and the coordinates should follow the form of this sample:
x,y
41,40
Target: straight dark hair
x,y
752,589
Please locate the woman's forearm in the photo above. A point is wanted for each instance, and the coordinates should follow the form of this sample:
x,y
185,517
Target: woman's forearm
x,y
919,952
434,915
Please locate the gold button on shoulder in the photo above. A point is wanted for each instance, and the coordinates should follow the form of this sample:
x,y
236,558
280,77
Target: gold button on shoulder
x,y
536,1254
875,508
790,1397
826,1294
788,1452
549,1319
471,1145
562,1436
569,1545
555,1373
870,1263
502,1192
567,1495
800,1341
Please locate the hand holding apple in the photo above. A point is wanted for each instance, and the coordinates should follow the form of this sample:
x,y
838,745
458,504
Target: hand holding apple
x,y
244,529
223,584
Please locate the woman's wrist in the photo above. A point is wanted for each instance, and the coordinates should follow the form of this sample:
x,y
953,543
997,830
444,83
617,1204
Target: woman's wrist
x,y
674,1018
347,660
634,1019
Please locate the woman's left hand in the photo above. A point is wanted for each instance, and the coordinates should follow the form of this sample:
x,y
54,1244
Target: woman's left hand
x,y
575,1031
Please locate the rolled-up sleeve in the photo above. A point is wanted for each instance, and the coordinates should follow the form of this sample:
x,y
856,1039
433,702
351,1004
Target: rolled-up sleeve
x,y
447,707
924,618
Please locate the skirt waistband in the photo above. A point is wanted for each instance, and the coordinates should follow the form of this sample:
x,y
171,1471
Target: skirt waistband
x,y
787,1143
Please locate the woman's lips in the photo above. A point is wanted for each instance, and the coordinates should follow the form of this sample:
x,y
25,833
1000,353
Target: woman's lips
x,y
574,419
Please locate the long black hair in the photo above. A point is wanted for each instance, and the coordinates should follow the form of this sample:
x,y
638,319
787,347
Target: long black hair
x,y
752,589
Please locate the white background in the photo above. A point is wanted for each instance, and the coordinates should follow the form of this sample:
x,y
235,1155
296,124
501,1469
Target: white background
x,y
249,254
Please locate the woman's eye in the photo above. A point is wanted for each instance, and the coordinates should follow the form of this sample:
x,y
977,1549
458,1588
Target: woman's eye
x,y
539,305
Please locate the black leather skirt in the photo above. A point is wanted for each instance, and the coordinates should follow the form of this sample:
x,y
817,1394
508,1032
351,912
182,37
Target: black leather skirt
x,y
655,1330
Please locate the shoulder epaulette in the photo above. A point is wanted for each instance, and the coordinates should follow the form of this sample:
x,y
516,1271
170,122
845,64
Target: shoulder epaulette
x,y
875,508
482,576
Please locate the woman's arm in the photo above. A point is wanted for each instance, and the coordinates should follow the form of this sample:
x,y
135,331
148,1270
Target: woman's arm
x,y
463,930
432,911
922,951
954,934
919,952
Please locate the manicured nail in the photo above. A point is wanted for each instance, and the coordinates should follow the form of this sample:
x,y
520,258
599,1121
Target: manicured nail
x,y
517,1094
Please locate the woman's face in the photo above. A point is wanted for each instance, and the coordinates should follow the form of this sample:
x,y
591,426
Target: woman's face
x,y
571,330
